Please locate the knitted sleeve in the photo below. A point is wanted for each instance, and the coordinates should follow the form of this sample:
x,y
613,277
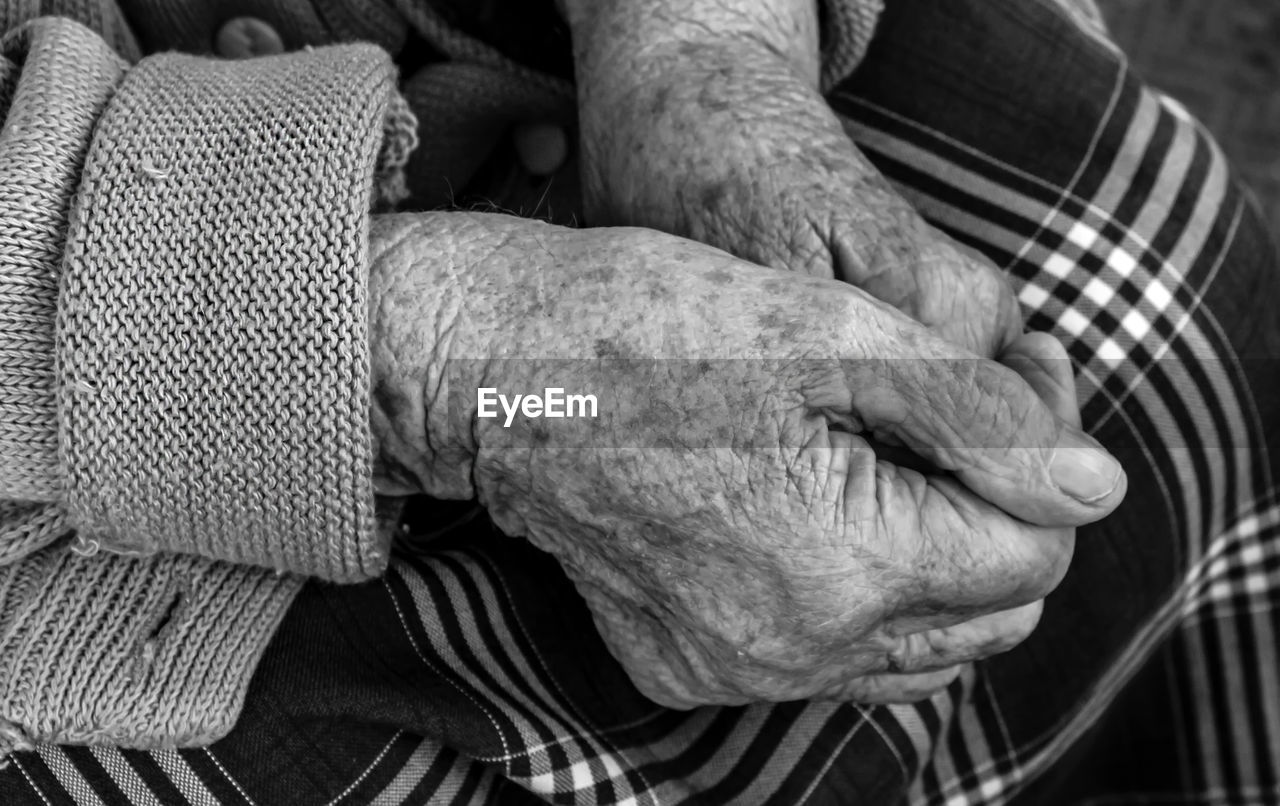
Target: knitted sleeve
x,y
183,275
183,366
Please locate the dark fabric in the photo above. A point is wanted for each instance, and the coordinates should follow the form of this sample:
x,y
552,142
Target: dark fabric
x,y
472,672
529,31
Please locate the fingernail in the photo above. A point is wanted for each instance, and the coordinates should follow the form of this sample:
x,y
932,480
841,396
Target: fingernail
x,y
1082,468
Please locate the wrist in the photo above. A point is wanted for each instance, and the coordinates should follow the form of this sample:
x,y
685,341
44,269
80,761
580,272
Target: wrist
x,y
417,268
450,296
624,36
701,134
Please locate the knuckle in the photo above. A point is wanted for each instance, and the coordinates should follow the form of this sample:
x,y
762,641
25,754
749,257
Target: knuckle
x,y
966,296
908,653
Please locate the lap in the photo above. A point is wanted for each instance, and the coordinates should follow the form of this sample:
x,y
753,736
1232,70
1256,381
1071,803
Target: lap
x,y
1126,235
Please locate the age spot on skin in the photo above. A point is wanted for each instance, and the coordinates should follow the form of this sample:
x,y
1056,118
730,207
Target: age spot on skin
x,y
720,277
787,327
659,293
608,348
600,274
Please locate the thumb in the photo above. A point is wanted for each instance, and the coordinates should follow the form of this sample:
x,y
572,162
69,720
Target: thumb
x,y
983,422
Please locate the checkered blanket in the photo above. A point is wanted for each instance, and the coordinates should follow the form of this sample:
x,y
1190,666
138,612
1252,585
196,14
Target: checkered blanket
x,y
472,673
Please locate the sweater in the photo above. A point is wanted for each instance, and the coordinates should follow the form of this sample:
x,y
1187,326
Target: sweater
x,y
184,388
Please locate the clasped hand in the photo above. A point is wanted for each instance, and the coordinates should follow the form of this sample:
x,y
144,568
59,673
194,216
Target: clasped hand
x,y
733,533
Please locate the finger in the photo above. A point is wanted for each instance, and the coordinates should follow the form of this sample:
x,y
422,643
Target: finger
x,y
940,555
1043,363
926,650
990,427
971,558
982,422
947,286
966,298
888,689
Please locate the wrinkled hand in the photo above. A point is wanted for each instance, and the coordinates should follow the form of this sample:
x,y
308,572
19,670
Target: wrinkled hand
x,y
724,517
729,144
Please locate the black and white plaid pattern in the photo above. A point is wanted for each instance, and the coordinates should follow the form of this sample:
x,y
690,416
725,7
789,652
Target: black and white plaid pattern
x,y
471,674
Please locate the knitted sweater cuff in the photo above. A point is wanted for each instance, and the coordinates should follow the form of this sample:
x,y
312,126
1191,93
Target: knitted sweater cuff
x,y
212,333
146,652
56,77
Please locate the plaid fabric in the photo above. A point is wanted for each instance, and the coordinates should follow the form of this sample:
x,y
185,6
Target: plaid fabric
x,y
472,673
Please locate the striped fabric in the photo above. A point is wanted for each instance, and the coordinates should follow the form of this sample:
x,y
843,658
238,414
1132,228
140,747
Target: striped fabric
x,y
472,673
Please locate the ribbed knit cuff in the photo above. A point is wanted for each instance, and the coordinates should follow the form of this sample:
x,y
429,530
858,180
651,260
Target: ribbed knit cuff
x,y
140,652
103,17
55,79
212,338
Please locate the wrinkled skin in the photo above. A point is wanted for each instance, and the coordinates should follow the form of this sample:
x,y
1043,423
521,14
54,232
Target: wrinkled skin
x,y
725,520
703,119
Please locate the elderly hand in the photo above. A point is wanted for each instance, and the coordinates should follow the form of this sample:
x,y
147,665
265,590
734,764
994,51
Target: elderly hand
x,y
724,515
703,119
